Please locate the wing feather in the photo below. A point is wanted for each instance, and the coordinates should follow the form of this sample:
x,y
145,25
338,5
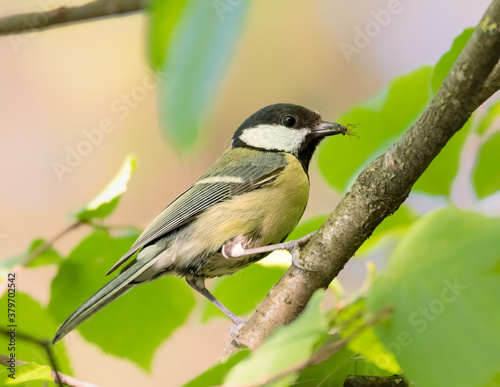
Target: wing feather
x,y
261,169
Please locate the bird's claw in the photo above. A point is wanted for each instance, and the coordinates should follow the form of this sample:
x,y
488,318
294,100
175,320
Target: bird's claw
x,y
234,331
297,261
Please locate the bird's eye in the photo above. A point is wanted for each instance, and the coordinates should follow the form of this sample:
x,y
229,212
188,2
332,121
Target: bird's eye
x,y
289,121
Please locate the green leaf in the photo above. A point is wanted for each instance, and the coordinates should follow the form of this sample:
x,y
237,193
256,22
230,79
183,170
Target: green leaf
x,y
198,54
242,292
287,347
329,373
438,177
366,343
105,203
307,227
48,257
489,117
361,366
383,120
443,66
163,16
443,283
157,308
30,372
34,321
391,227
487,173
215,376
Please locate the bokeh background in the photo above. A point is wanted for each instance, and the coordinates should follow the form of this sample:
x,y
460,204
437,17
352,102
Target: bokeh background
x,y
57,83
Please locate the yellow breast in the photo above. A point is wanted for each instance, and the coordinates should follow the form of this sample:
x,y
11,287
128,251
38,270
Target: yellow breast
x,y
264,216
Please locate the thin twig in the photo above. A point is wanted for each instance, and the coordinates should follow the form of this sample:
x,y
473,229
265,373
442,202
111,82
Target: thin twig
x,y
52,360
59,377
38,251
47,245
492,84
375,381
27,22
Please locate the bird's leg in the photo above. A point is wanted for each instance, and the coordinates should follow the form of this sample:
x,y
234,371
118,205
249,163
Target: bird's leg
x,y
235,249
198,284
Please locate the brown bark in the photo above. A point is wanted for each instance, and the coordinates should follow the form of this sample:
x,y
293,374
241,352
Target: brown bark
x,y
28,22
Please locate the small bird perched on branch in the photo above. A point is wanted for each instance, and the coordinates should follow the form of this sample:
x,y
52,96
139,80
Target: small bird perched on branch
x,y
244,206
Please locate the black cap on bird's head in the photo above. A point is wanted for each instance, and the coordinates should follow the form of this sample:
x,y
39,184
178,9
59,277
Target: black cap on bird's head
x,y
284,127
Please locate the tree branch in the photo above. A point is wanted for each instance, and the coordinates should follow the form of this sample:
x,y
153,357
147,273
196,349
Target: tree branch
x,y
26,22
385,183
374,381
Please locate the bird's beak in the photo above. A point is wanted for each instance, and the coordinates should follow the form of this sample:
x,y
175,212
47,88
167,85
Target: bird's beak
x,y
325,128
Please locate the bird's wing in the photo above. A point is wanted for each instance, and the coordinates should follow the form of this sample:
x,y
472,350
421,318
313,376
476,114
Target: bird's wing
x,y
232,177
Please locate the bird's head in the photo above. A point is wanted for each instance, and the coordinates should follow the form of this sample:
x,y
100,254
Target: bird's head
x,y
285,127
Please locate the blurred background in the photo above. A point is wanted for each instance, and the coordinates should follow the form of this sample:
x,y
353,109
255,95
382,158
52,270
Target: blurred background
x,y
57,84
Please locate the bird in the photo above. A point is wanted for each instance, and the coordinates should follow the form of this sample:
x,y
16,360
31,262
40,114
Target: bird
x,y
245,205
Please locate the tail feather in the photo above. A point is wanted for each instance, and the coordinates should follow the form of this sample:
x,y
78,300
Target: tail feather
x,y
114,289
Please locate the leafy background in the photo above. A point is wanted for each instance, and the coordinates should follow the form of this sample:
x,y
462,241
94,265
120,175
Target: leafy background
x,y
253,56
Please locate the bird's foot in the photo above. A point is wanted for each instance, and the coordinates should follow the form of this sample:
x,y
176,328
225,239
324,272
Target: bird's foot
x,y
234,331
294,249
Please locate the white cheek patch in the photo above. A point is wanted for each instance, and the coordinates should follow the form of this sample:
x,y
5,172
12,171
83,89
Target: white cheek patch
x,y
273,137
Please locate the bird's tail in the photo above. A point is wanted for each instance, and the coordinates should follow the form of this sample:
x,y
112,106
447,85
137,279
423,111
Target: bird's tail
x,y
114,289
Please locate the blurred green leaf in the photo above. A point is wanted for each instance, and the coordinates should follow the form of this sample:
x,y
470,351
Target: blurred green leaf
x,y
361,366
34,321
383,120
25,373
443,283
307,227
215,376
391,227
438,177
155,308
487,173
445,63
353,317
489,117
285,348
105,203
163,18
49,256
329,373
198,53
242,292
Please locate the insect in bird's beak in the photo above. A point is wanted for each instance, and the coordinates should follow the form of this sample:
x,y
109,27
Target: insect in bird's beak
x,y
325,128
